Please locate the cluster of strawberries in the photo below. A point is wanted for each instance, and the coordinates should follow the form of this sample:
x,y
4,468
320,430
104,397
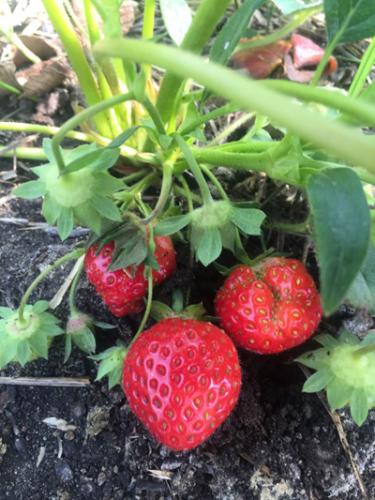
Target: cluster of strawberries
x,y
182,377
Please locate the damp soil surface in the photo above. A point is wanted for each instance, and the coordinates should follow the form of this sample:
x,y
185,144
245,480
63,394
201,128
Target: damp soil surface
x,y
278,443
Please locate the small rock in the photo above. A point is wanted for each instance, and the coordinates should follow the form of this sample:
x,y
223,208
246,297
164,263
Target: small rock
x,y
102,478
64,472
69,436
3,449
97,420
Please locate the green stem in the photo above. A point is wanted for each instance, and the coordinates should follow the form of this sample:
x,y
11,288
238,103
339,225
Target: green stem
x,y
301,228
9,88
296,21
195,168
215,182
34,128
92,25
146,314
164,193
347,144
212,115
22,153
187,193
154,115
200,31
73,288
231,128
362,111
74,254
76,120
73,47
329,49
15,40
148,27
365,68
242,146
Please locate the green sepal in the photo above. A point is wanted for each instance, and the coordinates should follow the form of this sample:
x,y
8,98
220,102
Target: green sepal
x,y
314,359
88,217
369,339
65,223
26,341
106,207
207,244
79,332
51,210
359,406
30,190
318,380
338,394
172,225
248,220
111,364
349,338
24,353
326,340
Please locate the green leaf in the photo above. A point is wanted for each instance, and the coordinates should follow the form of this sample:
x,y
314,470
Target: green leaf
x,y
357,15
338,394
290,6
361,293
30,190
341,231
177,18
172,225
233,31
209,246
65,223
122,138
106,208
39,344
249,220
359,406
318,381
51,210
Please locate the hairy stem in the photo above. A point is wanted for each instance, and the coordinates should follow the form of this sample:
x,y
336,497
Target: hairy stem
x,y
75,254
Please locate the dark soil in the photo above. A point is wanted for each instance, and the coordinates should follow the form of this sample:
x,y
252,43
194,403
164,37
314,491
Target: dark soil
x,y
278,443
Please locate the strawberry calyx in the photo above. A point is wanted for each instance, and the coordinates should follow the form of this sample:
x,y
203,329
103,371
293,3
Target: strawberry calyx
x,y
80,195
345,368
79,331
111,362
23,340
160,311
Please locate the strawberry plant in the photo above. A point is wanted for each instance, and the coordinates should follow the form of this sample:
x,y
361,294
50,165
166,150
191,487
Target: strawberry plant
x,y
145,177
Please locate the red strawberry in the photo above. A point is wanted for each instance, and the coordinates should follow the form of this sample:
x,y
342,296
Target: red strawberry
x,y
121,290
270,308
182,379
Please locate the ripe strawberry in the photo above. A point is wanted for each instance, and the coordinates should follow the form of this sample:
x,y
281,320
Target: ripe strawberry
x,y
182,379
270,308
121,290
